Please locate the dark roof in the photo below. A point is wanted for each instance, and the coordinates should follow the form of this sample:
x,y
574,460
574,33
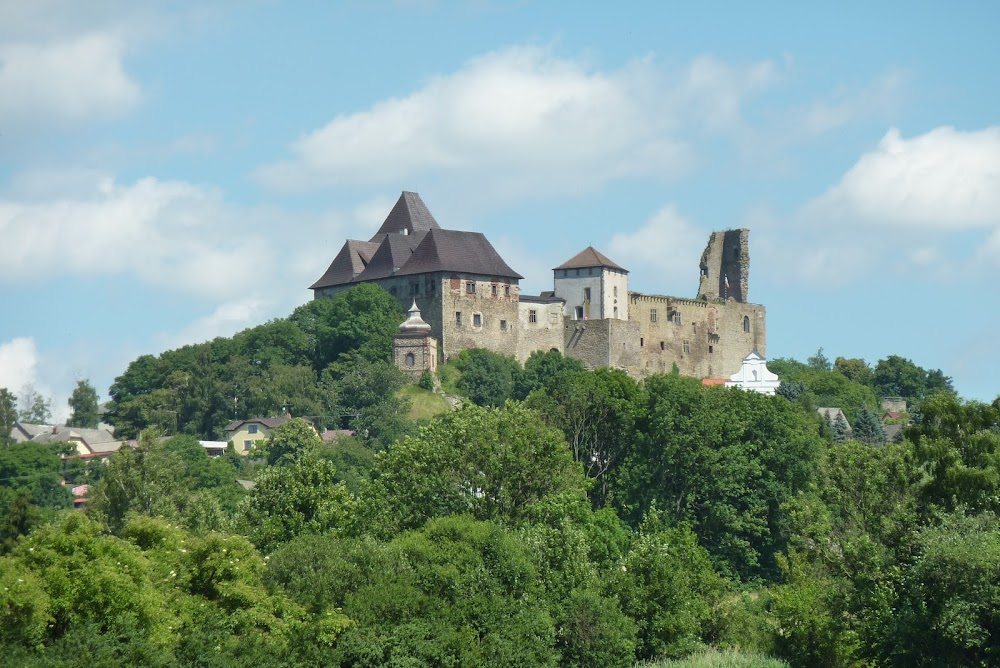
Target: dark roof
x,y
410,214
452,250
547,297
393,253
350,261
270,423
589,257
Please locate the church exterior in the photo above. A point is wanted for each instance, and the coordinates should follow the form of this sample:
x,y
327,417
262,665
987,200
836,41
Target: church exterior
x,y
469,297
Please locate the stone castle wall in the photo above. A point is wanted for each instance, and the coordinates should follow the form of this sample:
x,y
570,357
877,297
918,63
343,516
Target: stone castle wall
x,y
727,256
540,327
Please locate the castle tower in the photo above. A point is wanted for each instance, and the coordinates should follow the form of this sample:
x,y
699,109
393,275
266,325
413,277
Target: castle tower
x,y
414,349
594,287
725,267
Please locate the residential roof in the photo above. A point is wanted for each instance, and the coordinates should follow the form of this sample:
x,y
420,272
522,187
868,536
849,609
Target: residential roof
x,y
270,423
455,251
714,382
546,297
350,261
590,257
96,440
410,214
31,430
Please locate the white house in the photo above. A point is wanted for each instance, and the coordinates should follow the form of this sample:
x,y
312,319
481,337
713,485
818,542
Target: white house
x,y
754,375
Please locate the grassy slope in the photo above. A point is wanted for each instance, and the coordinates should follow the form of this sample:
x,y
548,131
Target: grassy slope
x,y
716,659
423,403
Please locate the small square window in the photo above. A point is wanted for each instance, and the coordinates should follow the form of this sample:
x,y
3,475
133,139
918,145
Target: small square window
x,y
506,291
430,287
503,325
458,318
251,428
532,315
470,287
586,294
477,320
579,313
414,289
493,290
663,346
687,347
652,315
247,445
711,349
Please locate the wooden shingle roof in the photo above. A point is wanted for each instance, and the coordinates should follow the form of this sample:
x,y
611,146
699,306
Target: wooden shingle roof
x,y
590,257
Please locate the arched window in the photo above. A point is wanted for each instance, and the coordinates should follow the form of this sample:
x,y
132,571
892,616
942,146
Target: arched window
x,y
411,360
746,323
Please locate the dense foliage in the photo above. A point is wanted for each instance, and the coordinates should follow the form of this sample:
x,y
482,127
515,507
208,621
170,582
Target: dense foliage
x,y
561,517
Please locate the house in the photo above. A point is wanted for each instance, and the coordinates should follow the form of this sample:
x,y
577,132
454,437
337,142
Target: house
x,y
246,433
85,443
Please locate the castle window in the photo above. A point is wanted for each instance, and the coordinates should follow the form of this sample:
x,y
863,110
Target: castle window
x,y
251,429
616,311
506,291
586,294
577,272
641,341
458,318
687,347
746,323
616,291
414,289
675,317
736,253
663,346
579,313
411,360
711,349
392,291
532,315
652,315
503,325
493,290
430,287
477,320
470,287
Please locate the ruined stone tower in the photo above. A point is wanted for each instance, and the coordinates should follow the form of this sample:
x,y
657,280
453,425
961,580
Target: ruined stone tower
x,y
726,259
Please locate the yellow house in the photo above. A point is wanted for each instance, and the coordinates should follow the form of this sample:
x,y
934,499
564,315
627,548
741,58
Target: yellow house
x,y
246,433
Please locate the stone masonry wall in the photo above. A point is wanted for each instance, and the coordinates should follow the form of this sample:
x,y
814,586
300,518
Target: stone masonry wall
x,y
542,330
727,256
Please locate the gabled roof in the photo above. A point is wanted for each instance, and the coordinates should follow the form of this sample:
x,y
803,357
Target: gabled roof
x,y
350,261
590,257
393,252
410,214
455,251
270,423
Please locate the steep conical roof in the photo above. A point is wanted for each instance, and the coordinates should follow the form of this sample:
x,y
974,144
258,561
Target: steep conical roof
x,y
589,257
409,214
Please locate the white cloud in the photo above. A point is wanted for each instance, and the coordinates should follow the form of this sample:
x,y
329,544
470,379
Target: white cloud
x,y
846,104
170,234
227,319
524,121
18,363
945,179
663,253
79,79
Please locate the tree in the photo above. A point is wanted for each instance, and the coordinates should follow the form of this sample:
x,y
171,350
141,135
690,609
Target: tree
x,y
289,442
297,498
819,361
855,369
899,377
83,401
488,378
841,430
596,411
368,399
33,469
493,463
542,368
8,414
868,427
33,408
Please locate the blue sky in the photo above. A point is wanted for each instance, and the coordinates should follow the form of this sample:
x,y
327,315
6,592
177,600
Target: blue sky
x,y
172,172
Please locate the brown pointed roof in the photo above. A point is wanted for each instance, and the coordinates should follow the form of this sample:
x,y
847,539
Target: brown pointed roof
x,y
452,250
350,261
410,214
590,257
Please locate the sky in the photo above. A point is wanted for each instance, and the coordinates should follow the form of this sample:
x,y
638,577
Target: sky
x,y
175,171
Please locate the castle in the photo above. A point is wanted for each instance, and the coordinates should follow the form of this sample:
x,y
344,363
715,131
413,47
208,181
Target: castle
x,y
463,295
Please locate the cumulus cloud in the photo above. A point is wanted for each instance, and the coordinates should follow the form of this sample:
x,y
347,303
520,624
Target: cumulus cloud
x,y
526,121
18,363
663,252
945,179
166,233
77,80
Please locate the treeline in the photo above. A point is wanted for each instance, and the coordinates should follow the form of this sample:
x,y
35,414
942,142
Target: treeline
x,y
324,361
562,518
